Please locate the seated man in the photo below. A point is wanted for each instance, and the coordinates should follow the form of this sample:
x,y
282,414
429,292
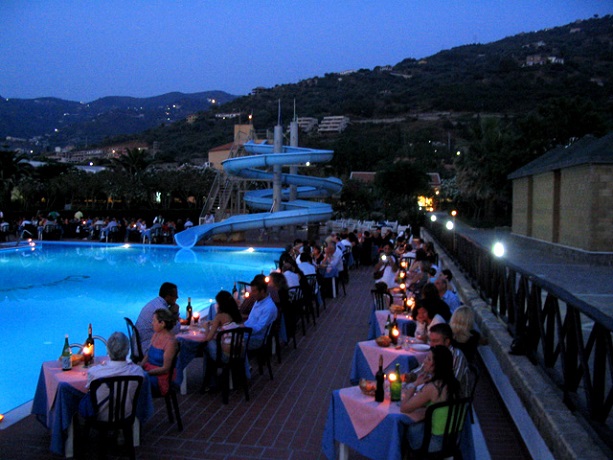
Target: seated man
x,y
118,347
449,297
263,313
167,298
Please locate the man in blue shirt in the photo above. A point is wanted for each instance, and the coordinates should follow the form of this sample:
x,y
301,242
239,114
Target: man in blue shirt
x,y
263,313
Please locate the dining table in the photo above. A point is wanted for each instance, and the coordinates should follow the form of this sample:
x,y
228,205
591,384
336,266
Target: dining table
x,y
375,430
355,420
56,402
192,340
378,318
366,359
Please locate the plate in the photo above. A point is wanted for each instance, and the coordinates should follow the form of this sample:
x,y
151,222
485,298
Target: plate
x,y
420,347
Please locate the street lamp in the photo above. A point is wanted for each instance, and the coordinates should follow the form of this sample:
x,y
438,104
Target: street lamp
x,y
498,249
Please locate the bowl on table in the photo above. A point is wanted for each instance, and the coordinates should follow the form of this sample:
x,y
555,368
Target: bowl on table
x,y
383,341
396,309
368,387
420,346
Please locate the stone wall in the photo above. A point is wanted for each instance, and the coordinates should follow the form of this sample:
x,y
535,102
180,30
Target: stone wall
x,y
542,206
521,202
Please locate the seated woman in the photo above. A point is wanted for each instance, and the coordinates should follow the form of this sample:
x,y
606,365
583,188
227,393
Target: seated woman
x,y
465,338
163,349
228,317
436,384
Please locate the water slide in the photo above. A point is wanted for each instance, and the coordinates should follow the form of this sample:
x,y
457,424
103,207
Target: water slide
x,y
295,212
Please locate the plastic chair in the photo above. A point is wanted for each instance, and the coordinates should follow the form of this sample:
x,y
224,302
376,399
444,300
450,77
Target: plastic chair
x,y
242,287
295,312
170,398
264,353
381,299
447,443
136,348
112,398
313,283
233,365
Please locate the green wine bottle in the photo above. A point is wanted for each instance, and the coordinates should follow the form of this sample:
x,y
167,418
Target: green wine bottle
x,y
396,385
66,356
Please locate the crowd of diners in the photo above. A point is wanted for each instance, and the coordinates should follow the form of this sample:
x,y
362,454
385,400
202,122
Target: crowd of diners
x,y
410,267
95,228
398,264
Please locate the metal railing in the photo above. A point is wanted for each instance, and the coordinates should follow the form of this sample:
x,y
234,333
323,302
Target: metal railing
x,y
569,338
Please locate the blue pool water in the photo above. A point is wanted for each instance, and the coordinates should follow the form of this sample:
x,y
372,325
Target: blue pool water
x,y
57,289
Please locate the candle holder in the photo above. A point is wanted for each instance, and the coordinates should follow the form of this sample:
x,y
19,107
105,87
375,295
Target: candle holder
x,y
88,357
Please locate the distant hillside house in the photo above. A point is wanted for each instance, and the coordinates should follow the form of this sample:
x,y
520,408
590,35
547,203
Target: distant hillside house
x,y
307,124
242,134
336,124
566,196
539,59
367,177
116,150
258,90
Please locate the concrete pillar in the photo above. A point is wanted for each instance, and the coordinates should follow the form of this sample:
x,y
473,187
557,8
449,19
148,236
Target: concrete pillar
x,y
293,169
276,178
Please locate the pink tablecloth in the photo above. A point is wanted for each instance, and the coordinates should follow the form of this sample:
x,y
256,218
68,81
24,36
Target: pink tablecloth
x,y
382,315
194,334
372,351
54,375
365,414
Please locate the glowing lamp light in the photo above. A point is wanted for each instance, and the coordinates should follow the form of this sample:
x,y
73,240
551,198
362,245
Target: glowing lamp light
x,y
449,225
454,213
402,275
395,332
246,294
88,354
403,264
196,317
1,417
433,218
498,249
250,250
402,286
267,279
383,257
392,377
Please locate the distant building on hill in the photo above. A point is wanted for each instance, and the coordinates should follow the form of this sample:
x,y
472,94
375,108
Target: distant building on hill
x,y
566,196
335,124
307,124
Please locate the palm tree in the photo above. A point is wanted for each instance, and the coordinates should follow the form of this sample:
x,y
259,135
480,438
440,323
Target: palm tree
x,y
13,167
134,162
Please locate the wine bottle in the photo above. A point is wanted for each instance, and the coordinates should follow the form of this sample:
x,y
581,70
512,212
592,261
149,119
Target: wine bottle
x,y
388,324
380,378
189,311
396,385
89,342
66,356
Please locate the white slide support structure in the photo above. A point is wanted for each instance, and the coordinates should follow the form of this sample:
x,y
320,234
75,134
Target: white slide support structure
x,y
295,212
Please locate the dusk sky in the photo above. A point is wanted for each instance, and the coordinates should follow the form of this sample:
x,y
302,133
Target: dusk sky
x,y
83,50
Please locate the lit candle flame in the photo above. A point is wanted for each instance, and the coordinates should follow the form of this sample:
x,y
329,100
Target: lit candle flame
x,y
392,377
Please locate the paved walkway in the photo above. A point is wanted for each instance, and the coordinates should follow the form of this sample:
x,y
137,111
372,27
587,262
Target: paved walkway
x,y
575,271
285,417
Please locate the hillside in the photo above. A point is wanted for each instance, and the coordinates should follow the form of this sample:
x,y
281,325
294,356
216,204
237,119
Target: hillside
x,y
436,96
57,122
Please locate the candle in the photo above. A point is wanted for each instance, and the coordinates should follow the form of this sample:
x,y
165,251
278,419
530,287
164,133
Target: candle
x,y
392,377
246,294
87,355
196,317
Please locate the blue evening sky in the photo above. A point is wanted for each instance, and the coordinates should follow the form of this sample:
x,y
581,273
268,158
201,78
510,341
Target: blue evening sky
x,y
82,50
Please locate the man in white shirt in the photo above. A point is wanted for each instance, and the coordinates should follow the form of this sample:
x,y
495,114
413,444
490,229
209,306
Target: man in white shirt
x,y
167,298
118,347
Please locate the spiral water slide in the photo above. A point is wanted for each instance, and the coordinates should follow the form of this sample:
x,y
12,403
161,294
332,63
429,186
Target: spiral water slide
x,y
295,212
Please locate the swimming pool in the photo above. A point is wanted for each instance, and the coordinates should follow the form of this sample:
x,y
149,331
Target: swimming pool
x,y
55,289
